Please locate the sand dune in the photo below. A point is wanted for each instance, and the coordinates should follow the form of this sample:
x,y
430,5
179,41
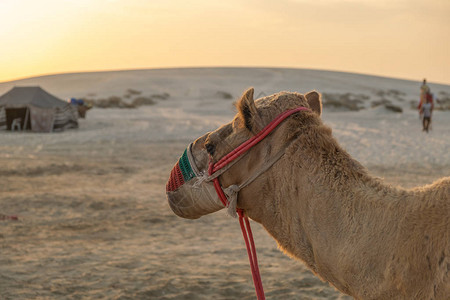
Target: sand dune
x,y
205,82
93,218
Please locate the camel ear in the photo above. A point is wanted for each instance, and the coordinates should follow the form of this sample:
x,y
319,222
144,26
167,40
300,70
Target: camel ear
x,y
248,111
315,102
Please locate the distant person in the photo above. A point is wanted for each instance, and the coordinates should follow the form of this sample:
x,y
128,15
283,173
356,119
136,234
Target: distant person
x,y
426,110
424,91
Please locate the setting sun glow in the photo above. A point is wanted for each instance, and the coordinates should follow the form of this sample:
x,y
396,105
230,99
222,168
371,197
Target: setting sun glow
x,y
405,39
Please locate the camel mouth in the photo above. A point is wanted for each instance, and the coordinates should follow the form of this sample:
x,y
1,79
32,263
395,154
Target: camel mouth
x,y
180,208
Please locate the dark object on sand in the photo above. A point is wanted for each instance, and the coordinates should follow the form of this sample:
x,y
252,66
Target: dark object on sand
x,y
11,217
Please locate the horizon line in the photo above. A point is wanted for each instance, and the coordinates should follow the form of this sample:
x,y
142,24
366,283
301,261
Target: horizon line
x,y
216,67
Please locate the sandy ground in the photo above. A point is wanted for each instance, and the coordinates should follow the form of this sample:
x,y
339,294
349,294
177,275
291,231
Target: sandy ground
x,y
94,222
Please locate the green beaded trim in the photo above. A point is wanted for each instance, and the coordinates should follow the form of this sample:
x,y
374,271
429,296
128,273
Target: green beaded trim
x,y
185,167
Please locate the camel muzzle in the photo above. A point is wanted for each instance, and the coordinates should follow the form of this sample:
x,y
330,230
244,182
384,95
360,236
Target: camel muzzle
x,y
188,193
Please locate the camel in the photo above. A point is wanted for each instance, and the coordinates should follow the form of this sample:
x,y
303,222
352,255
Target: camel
x,y
368,239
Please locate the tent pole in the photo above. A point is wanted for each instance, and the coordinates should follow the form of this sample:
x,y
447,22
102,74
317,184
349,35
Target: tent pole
x,y
26,120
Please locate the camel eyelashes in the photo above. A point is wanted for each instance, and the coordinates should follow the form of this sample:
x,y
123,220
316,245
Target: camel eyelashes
x,y
210,148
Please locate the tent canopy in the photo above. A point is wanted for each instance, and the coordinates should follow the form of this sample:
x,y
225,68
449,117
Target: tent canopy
x,y
30,96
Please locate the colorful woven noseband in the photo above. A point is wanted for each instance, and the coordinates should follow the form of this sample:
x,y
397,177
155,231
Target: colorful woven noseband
x,y
181,173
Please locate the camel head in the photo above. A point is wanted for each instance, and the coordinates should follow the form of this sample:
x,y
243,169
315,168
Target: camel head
x,y
191,193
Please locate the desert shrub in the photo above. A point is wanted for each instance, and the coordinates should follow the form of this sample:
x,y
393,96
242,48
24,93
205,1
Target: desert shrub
x,y
130,93
224,95
139,101
393,108
398,95
395,93
443,103
111,102
117,102
133,92
380,93
380,102
163,96
387,104
347,101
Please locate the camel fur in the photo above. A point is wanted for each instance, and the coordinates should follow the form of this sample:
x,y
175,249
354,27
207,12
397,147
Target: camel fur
x,y
368,239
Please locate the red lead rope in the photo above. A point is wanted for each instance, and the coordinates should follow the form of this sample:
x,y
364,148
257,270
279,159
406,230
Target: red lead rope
x,y
249,242
251,252
243,220
248,239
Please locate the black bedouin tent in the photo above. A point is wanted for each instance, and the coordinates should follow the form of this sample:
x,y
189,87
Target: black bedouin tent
x,y
32,108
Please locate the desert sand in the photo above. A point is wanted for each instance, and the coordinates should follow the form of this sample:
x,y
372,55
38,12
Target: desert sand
x,y
93,221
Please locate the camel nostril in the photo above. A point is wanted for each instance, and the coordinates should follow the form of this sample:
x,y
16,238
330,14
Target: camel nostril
x,y
210,148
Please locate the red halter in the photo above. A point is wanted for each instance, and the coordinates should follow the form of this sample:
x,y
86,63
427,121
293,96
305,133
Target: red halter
x,y
243,220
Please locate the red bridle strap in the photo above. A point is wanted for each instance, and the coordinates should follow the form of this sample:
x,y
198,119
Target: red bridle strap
x,y
245,146
243,220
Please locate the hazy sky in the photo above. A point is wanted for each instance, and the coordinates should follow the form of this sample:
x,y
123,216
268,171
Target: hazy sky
x,y
405,38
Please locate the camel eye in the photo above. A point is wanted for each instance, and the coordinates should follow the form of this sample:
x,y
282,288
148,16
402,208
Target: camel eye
x,y
210,148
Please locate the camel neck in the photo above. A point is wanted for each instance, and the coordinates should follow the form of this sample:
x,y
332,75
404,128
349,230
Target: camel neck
x,y
352,229
329,204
